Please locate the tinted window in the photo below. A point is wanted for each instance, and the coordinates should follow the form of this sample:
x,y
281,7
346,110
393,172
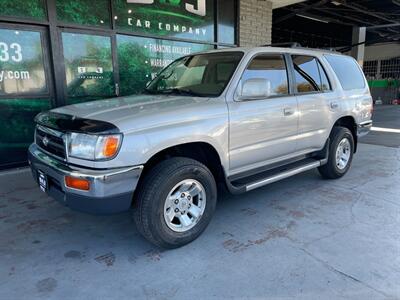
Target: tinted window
x,y
140,59
272,68
22,68
306,74
17,126
88,67
347,71
226,21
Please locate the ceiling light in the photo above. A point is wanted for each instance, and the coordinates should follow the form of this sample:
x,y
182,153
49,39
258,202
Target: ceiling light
x,y
337,3
312,18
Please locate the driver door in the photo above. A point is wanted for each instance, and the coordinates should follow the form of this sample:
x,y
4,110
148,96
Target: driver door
x,y
263,131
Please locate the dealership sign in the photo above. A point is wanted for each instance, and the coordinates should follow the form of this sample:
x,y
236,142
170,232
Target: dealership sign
x,y
200,10
189,19
21,63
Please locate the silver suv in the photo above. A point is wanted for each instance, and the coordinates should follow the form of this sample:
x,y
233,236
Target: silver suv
x,y
241,117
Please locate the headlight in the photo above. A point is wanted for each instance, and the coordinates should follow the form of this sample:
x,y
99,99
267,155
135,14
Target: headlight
x,y
93,147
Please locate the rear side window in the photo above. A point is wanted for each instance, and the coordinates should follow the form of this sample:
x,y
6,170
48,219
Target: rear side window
x,y
309,74
272,68
347,71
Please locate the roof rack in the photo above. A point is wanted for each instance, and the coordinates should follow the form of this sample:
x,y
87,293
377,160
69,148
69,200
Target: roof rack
x,y
286,44
299,46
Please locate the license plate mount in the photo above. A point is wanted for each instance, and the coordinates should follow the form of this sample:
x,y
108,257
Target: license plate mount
x,y
42,180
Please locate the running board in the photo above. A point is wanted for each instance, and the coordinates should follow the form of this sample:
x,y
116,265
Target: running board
x,y
255,181
283,175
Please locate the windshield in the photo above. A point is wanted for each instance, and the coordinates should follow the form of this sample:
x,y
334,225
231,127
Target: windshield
x,y
204,75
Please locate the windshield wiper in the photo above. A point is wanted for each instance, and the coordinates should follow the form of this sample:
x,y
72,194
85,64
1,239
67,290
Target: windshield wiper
x,y
147,91
185,92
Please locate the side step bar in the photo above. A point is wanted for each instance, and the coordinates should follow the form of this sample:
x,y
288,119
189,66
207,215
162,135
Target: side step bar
x,y
282,175
264,178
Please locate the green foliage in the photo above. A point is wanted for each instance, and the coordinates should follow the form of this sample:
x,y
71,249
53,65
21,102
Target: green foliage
x,y
132,69
17,127
23,8
84,12
19,114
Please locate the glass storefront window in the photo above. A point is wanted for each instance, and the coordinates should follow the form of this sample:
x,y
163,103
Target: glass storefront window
x,y
34,9
17,128
84,12
140,59
26,69
88,67
192,20
21,63
226,21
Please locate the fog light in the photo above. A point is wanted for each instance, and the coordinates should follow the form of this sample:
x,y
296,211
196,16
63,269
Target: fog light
x,y
77,183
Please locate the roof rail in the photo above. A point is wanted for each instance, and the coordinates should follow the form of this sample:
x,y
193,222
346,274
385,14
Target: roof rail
x,y
286,44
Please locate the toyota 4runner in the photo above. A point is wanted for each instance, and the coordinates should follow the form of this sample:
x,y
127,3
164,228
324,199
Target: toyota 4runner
x,y
241,117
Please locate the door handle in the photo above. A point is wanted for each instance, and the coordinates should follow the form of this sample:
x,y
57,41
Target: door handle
x,y
288,111
334,105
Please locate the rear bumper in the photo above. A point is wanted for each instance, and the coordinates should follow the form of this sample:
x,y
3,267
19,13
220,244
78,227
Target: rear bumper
x,y
111,190
364,128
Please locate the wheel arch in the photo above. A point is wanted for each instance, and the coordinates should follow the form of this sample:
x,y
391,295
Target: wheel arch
x,y
203,152
350,123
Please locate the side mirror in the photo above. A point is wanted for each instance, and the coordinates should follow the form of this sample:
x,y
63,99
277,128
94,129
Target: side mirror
x,y
255,88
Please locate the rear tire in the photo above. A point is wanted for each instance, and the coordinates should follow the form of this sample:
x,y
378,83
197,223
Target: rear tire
x,y
341,151
175,202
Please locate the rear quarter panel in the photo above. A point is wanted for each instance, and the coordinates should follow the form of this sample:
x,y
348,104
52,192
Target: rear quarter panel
x,y
356,103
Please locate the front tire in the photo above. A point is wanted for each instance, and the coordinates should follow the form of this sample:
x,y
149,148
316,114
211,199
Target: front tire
x,y
341,151
175,202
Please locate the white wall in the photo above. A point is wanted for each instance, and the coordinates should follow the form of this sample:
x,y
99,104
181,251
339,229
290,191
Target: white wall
x,y
382,51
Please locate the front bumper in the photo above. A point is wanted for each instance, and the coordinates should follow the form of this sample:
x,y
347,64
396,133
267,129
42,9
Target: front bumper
x,y
363,128
111,190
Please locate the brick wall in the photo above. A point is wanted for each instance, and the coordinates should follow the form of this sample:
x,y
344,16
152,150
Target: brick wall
x,y
255,22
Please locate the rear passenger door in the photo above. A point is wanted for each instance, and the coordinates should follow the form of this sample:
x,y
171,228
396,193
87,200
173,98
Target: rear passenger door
x,y
314,94
263,131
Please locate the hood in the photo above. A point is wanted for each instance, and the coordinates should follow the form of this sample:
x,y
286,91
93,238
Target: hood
x,y
124,112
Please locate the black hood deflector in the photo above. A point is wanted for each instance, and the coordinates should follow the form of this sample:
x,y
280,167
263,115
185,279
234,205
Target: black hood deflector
x,y
69,123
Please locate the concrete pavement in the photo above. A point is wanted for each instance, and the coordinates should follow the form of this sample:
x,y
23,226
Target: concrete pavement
x,y
385,117
303,237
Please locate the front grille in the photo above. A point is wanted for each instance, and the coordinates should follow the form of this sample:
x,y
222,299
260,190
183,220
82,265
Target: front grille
x,y
50,141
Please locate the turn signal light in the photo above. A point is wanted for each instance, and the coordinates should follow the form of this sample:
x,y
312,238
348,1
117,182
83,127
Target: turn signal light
x,y
110,147
77,183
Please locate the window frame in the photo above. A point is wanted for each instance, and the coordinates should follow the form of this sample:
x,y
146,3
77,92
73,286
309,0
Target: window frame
x,y
46,62
289,78
296,92
319,63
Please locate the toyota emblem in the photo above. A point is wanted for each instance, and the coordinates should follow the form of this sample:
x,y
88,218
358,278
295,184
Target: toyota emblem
x,y
45,141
